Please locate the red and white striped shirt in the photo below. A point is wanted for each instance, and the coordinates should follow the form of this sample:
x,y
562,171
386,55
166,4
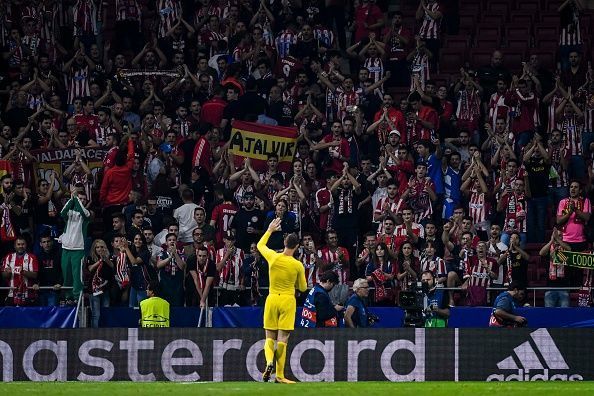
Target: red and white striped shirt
x,y
169,12
551,117
430,28
324,197
78,83
436,265
229,276
207,37
401,235
420,66
526,111
64,14
85,18
478,275
388,203
330,258
309,263
16,264
419,200
375,67
344,100
324,35
572,130
558,153
48,23
468,110
478,207
128,10
283,43
515,207
571,34
498,109
99,134
588,109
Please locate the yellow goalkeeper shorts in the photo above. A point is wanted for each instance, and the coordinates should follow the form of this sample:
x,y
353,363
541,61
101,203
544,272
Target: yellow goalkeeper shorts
x,y
279,312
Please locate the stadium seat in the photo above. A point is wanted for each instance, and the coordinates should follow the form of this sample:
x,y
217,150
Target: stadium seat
x,y
498,8
451,60
516,31
470,7
553,5
528,5
547,60
549,17
492,19
586,21
467,22
460,42
542,30
519,17
550,44
480,57
512,59
485,31
488,42
518,43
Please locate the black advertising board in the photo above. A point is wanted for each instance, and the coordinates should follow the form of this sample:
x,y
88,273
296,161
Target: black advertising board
x,y
314,355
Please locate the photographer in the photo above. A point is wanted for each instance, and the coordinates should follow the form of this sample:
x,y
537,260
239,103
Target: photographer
x,y
504,306
435,308
356,314
318,310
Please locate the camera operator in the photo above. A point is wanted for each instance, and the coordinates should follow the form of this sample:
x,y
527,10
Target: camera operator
x,y
504,306
318,309
435,307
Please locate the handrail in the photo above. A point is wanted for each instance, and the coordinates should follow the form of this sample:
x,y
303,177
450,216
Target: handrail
x,y
500,288
39,288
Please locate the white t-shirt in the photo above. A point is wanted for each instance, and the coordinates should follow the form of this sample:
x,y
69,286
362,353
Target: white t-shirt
x,y
185,218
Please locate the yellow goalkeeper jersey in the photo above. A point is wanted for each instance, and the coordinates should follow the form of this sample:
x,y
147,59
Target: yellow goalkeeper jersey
x,y
285,273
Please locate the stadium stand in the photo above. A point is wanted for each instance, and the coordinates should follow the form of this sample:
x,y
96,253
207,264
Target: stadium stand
x,y
126,125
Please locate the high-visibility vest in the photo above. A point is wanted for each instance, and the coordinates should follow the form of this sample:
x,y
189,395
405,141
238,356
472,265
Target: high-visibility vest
x,y
154,312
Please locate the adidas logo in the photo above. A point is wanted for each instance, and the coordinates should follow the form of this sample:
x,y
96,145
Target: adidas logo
x,y
539,353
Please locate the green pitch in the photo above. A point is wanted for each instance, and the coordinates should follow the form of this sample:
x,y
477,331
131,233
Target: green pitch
x,y
302,389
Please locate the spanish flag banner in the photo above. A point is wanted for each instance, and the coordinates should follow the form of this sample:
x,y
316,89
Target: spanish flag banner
x,y
257,141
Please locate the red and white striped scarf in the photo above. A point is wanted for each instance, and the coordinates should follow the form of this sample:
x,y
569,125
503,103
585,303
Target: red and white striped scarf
x,y
122,275
7,233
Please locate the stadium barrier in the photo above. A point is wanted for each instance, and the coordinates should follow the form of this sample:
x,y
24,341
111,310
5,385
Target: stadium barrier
x,y
314,355
251,317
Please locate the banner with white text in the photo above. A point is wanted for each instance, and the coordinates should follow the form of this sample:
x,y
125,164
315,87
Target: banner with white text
x,y
58,160
313,355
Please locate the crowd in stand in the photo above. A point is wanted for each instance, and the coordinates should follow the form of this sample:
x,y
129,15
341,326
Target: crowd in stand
x,y
454,178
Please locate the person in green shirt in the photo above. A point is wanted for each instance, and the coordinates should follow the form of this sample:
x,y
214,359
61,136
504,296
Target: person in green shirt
x,y
77,218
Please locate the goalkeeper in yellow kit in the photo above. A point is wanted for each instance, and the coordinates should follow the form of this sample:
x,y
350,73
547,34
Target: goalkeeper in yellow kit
x,y
285,274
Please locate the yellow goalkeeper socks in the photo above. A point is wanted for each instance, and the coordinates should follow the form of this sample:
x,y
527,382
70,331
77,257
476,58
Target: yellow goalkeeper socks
x,y
269,351
280,355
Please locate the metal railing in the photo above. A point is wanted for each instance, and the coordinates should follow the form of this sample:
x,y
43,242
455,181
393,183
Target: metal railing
x,y
459,289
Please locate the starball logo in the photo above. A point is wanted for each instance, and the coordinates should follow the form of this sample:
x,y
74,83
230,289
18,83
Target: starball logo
x,y
537,359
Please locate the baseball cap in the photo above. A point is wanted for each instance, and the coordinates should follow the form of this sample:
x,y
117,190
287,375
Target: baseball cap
x,y
249,195
394,131
165,147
